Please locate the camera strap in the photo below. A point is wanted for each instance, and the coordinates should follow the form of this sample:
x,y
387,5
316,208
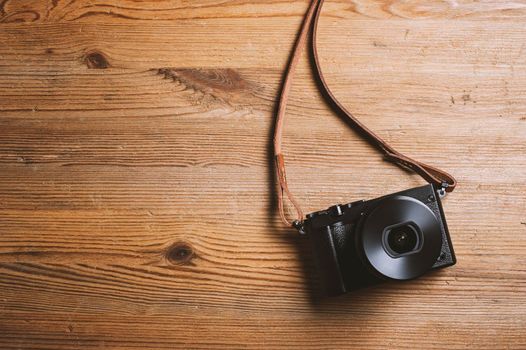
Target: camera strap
x,y
310,23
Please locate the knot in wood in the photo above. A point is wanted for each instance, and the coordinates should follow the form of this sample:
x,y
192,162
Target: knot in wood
x,y
96,60
180,253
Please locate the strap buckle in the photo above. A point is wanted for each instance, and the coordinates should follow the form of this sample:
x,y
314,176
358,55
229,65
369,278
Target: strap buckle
x,y
442,190
299,225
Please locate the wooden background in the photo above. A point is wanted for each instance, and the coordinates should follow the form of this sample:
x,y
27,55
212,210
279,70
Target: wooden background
x,y
137,203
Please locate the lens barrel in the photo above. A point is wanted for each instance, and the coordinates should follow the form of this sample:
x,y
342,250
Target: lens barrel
x,y
400,238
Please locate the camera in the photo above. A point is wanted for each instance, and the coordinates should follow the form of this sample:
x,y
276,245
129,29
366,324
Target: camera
x,y
399,236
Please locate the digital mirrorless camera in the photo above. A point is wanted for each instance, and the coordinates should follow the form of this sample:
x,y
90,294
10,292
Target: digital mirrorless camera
x,y
395,237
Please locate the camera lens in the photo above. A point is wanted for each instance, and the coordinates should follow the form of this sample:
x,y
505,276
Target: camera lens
x,y
402,239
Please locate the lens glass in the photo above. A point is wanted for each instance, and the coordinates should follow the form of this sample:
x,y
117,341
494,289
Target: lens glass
x,y
402,239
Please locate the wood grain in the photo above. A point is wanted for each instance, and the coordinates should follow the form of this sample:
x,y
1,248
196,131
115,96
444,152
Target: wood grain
x,y
137,204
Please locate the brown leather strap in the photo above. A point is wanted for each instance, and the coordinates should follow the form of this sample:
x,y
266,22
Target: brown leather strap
x,y
429,173
280,117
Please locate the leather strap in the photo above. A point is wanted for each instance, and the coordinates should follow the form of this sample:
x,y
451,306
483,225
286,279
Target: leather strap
x,y
428,172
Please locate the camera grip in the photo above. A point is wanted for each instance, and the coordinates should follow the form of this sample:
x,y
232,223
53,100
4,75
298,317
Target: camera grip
x,y
327,261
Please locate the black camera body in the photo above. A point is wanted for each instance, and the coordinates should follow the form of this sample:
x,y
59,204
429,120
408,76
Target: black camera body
x,y
395,237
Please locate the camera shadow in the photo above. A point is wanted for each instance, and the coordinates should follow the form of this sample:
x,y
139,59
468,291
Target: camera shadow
x,y
316,295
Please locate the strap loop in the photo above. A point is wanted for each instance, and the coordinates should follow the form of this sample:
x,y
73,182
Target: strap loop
x,y
431,174
284,190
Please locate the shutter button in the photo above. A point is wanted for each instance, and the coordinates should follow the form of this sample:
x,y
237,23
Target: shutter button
x,y
336,210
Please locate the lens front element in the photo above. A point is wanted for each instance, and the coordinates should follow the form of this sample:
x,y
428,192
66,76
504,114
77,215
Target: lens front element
x,y
402,239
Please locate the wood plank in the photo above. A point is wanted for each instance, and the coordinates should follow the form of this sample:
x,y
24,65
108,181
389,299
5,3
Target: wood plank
x,y
170,10
181,330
